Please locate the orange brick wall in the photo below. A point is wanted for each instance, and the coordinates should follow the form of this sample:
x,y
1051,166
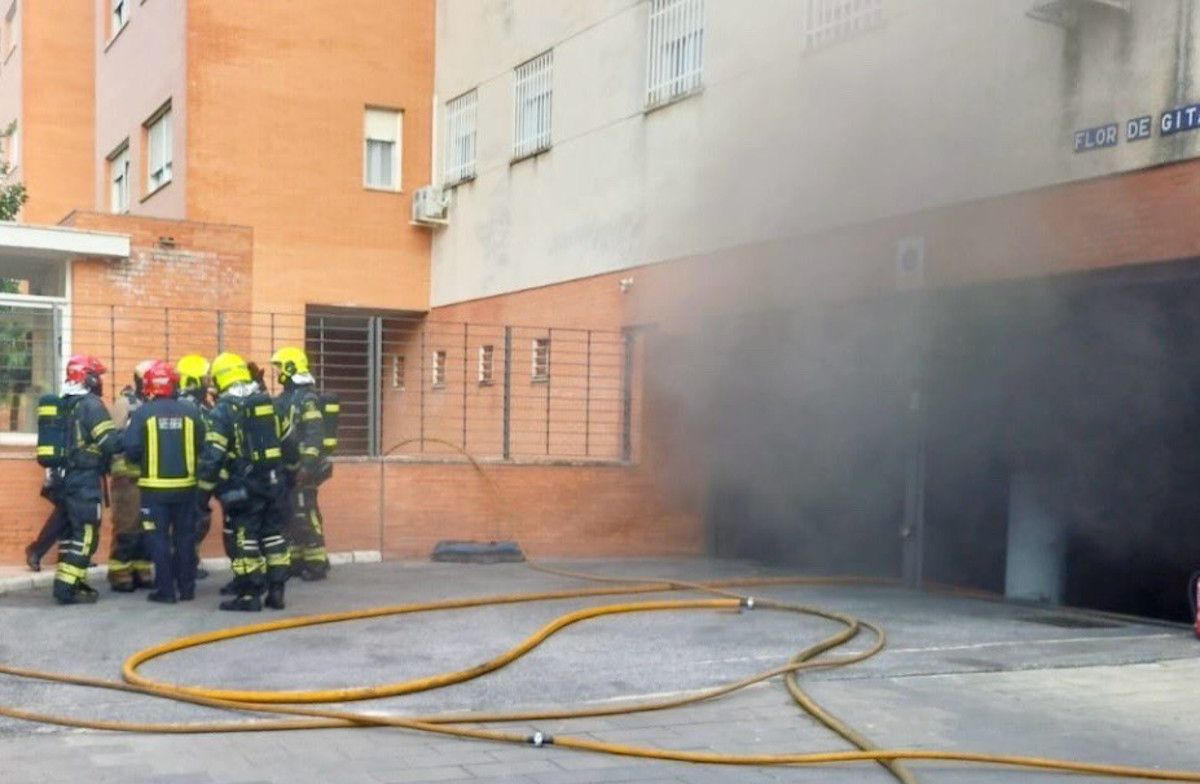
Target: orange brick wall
x,y
162,300
58,115
276,95
551,510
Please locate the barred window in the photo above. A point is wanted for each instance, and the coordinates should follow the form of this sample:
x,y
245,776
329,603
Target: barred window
x,y
541,359
487,356
833,20
439,369
532,106
675,49
398,371
460,138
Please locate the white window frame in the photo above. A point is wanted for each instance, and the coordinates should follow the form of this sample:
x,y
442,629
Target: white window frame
x,y
674,50
378,123
540,360
398,372
487,364
120,191
160,142
118,15
461,138
438,376
830,21
533,105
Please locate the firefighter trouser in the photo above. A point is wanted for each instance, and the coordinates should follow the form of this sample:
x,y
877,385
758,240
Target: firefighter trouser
x,y
169,524
129,555
306,531
203,526
81,535
52,531
260,553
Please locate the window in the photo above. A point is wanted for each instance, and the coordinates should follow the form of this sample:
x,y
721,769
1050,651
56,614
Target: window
x,y
439,369
532,108
118,178
381,155
675,50
398,371
541,359
460,138
159,149
120,15
486,356
8,34
833,20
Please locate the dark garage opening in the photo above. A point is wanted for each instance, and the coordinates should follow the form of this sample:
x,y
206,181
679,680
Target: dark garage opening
x,y
1059,425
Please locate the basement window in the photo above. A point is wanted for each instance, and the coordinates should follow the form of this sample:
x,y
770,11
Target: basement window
x,y
541,359
398,371
487,356
439,369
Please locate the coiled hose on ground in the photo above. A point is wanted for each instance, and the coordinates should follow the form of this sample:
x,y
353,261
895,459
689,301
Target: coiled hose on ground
x,y
295,706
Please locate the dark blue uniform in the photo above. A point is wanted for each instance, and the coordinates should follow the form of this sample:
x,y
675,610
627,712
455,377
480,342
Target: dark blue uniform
x,y
93,443
164,437
301,404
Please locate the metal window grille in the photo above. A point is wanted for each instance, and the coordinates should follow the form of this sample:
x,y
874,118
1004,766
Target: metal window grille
x,y
541,359
460,138
398,371
486,362
439,369
675,50
158,136
532,105
833,20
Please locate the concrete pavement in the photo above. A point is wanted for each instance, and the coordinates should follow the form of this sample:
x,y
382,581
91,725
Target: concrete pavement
x,y
959,673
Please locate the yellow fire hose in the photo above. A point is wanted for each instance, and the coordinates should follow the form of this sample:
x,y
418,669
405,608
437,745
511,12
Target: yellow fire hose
x,y
293,704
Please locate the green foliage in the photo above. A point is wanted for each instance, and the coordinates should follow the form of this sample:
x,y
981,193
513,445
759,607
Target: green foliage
x,y
12,194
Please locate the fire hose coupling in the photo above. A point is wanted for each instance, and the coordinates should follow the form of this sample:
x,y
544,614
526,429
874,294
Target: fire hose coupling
x,y
747,603
539,739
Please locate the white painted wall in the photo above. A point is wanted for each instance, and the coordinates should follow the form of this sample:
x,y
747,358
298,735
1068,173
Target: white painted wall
x,y
949,100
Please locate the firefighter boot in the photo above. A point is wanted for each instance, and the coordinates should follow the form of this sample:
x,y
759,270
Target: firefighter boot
x,y
230,588
275,596
246,602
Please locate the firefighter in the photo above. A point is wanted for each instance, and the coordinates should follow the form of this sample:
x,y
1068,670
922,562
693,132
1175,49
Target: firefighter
x,y
128,557
300,403
244,440
163,439
193,389
92,440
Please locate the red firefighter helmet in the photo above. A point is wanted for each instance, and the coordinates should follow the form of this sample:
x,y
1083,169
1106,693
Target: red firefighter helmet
x,y
160,380
86,370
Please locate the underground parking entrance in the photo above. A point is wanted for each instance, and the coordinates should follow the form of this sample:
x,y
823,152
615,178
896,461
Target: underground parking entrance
x,y
1038,439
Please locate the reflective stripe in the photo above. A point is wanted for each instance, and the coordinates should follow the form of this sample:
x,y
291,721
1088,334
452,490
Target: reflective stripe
x,y
213,437
333,408
189,447
310,416
150,464
45,450
103,428
273,451
89,536
330,442
205,485
265,409
310,450
159,483
47,411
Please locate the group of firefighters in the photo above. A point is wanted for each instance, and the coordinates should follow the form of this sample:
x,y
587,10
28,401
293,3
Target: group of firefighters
x,y
183,435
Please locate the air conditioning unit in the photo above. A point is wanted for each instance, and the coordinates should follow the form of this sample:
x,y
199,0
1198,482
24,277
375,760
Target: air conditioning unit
x,y
1065,13
430,206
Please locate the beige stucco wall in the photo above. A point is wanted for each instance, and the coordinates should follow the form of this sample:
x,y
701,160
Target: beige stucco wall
x,y
137,71
947,101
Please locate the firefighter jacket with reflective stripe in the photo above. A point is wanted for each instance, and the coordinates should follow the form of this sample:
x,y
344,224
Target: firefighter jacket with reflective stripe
x,y
300,405
225,456
93,435
164,437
